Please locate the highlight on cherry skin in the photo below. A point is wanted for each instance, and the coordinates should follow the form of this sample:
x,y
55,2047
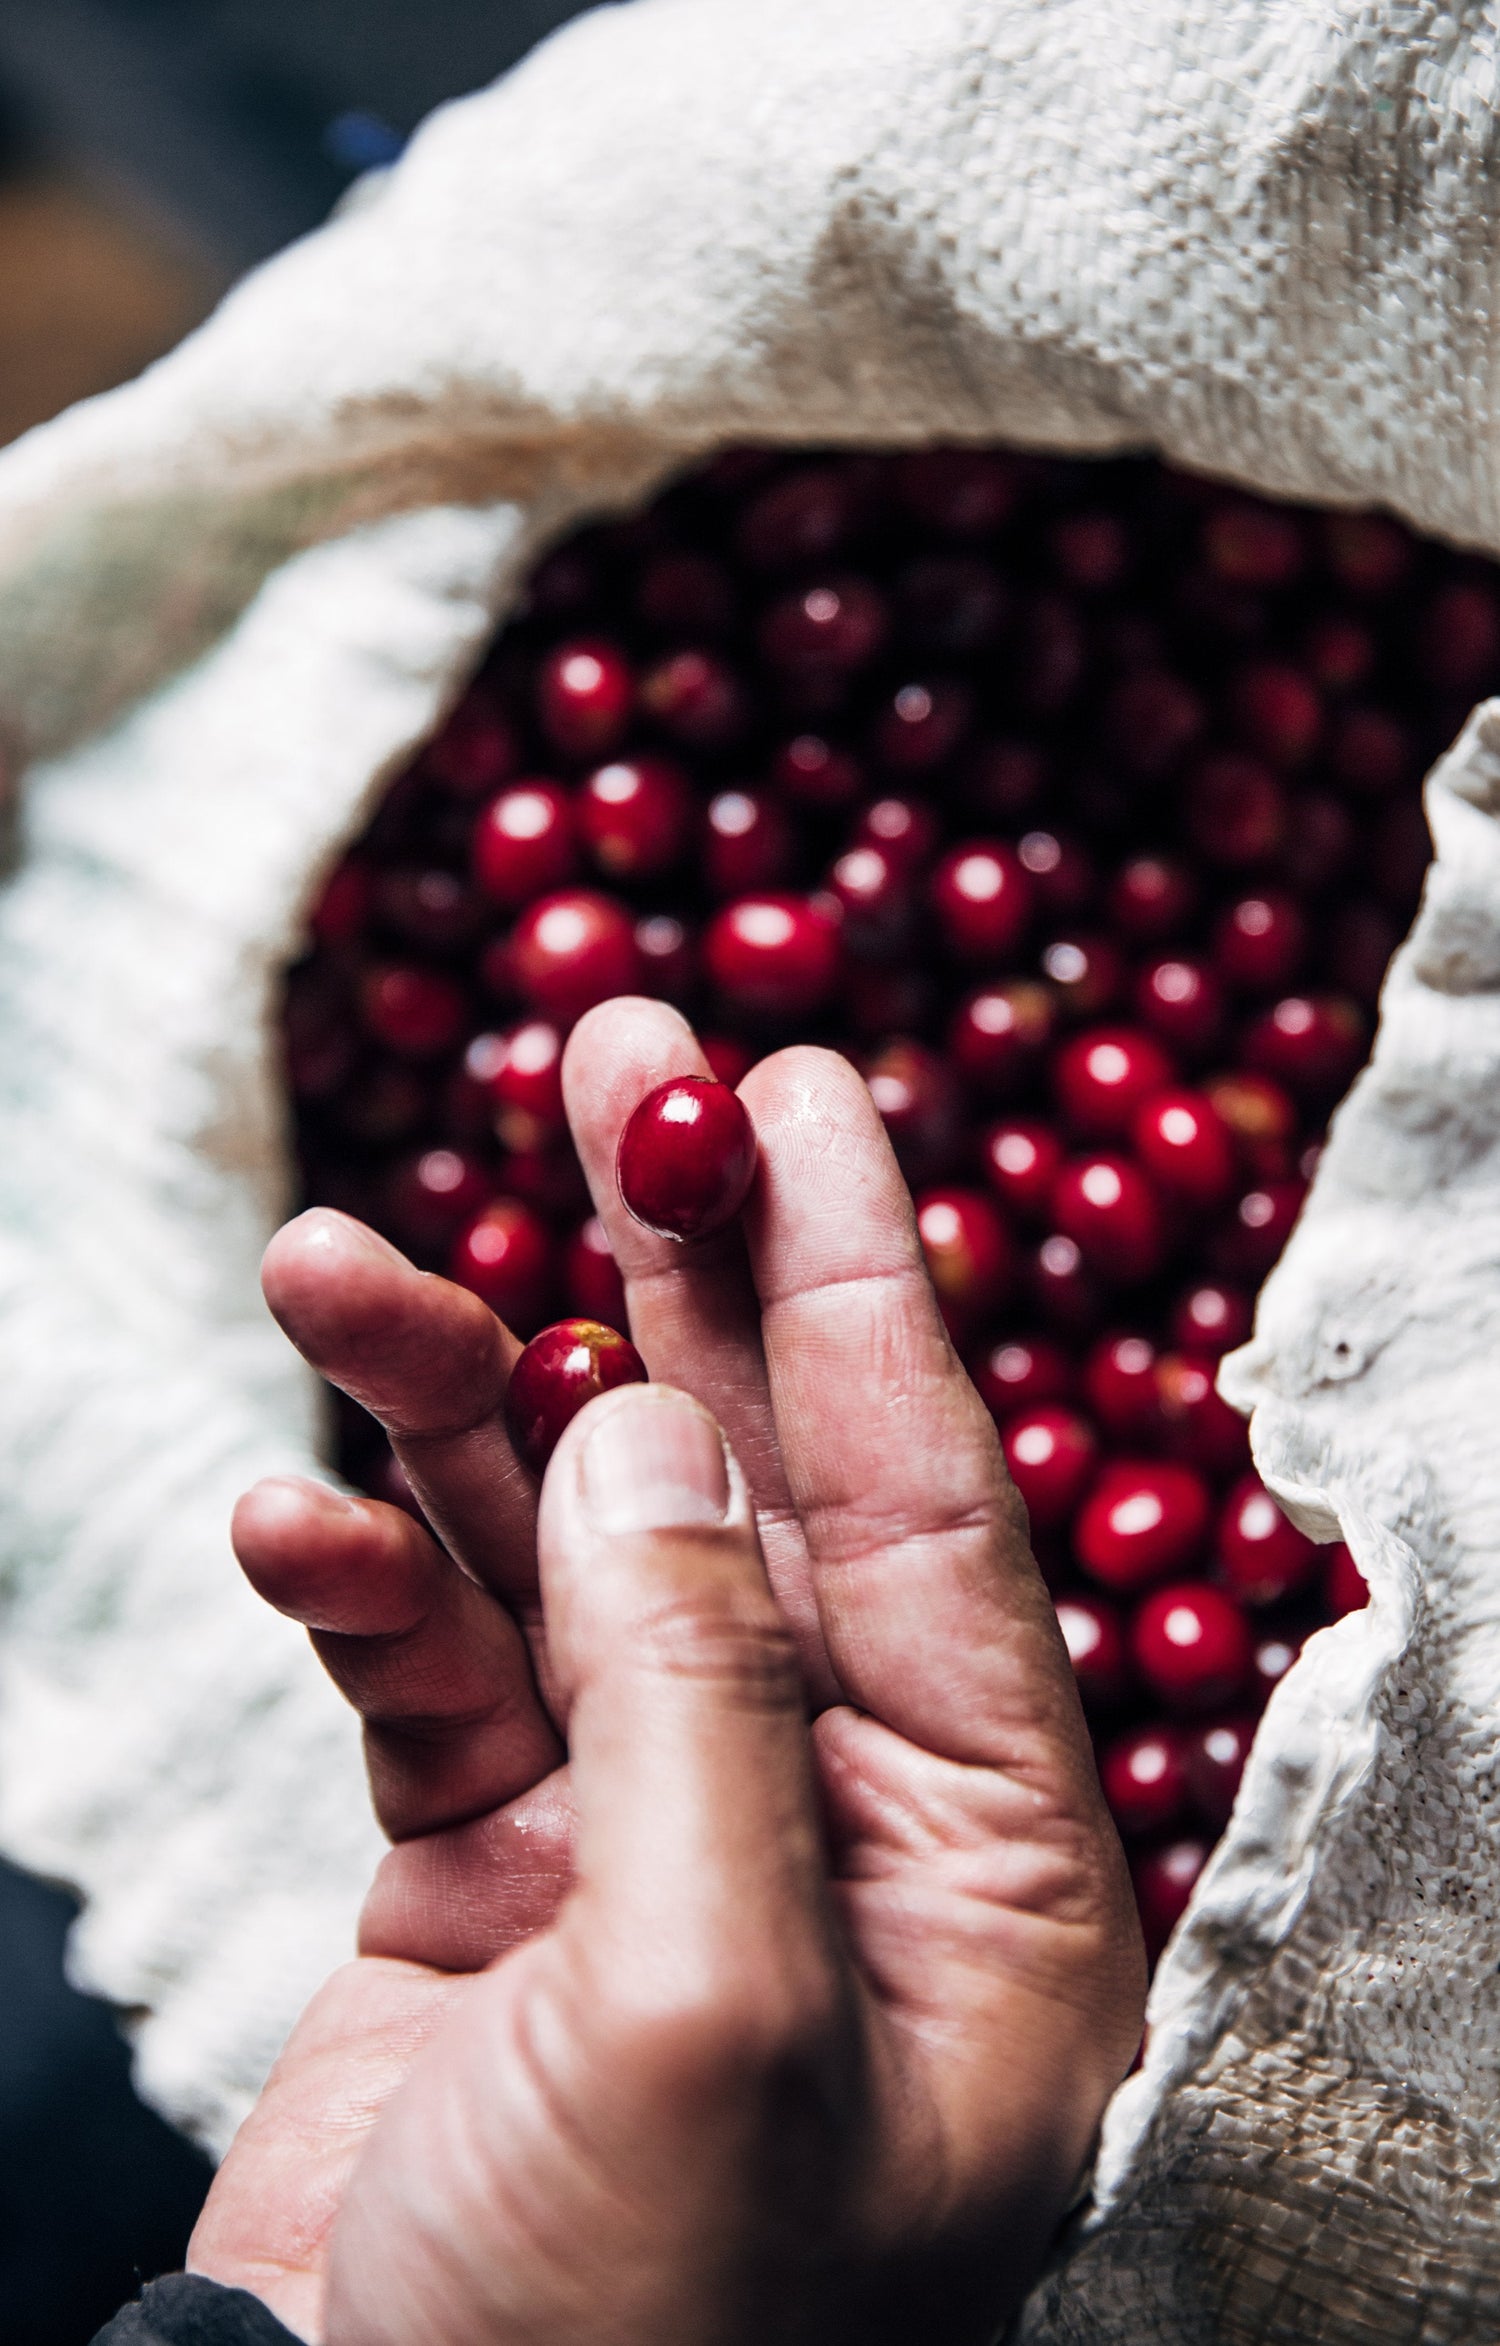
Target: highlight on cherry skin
x,y
686,1158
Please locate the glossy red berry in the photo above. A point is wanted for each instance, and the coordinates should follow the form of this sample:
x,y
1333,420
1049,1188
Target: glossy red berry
x,y
1095,1640
633,816
747,843
1063,1289
417,1013
427,1195
475,750
838,623
872,889
668,961
961,492
903,828
1062,875
1370,752
572,950
1020,1373
1339,651
525,843
1119,1380
1248,544
1196,1422
1278,711
1022,1159
343,908
584,692
918,1102
1181,1002
804,517
505,1256
1163,1880
1251,1238
686,1158
921,725
1106,1205
1236,811
1459,638
1152,897
1345,1589
816,773
1211,1318
1144,1779
697,699
950,606
773,956
1052,1453
1103,1075
1263,1558
1259,942
1367,552
1214,1757
1192,1646
1150,719
1274,1656
1260,1115
1186,1147
1143,1519
560,1371
999,1034
1312,1044
684,593
982,900
522,1075
591,1275
968,1253
1086,974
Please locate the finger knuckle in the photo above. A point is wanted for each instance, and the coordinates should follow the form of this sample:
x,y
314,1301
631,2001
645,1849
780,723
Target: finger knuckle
x,y
747,1657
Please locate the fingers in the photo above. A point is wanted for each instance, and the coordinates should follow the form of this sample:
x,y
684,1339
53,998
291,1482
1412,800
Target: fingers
x,y
693,1312
932,1608
460,1898
698,1852
438,1671
431,1362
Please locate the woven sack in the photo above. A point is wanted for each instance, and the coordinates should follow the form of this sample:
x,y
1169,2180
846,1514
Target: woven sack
x,y
1256,235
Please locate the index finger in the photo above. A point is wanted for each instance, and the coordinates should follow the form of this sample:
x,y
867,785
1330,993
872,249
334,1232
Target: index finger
x,y
934,1613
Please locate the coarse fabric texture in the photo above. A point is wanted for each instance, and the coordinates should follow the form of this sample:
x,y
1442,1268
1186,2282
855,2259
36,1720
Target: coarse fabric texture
x,y
1257,235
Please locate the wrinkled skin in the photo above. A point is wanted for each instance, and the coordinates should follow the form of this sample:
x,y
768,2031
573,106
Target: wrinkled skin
x,y
754,1957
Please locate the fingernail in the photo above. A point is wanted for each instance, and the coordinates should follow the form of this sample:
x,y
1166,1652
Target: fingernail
x,y
329,1226
654,1462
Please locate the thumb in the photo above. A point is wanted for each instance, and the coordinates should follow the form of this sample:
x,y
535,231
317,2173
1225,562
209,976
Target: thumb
x,y
701,1880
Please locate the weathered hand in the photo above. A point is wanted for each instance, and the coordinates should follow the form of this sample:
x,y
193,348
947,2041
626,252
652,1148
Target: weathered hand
x,y
808,2032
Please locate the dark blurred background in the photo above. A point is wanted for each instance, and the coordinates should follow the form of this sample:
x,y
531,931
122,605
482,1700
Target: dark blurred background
x,y
150,152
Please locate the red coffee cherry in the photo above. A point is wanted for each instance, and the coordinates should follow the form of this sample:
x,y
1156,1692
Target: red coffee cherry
x,y
343,908
592,1276
1163,1880
505,1256
1211,1318
1278,711
816,773
747,843
982,900
1086,973
1020,1373
1096,1648
1106,1205
522,1077
695,698
1143,1519
686,1158
524,843
1214,1757
968,1253
561,1370
1251,1239
918,1103
427,1195
475,750
668,961
839,623
1022,1159
1312,1044
921,726
773,956
1183,1003
1248,544
1259,942
1152,897
1103,1075
584,693
902,828
1119,1380
1236,811
1144,1779
633,816
1063,1290
1345,1589
1186,1147
572,950
1274,1656
418,1013
999,1034
1051,1453
1262,1556
1192,1646
1196,1422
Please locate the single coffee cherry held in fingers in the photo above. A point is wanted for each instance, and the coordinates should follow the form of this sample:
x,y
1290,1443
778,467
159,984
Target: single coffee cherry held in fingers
x,y
559,1371
686,1158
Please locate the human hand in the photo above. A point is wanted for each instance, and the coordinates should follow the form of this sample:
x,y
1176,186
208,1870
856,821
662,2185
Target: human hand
x,y
808,2031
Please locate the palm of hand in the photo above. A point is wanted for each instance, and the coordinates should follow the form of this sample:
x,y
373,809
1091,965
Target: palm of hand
x,y
977,1991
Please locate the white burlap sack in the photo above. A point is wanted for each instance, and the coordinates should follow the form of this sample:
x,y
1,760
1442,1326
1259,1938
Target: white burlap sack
x,y
1259,235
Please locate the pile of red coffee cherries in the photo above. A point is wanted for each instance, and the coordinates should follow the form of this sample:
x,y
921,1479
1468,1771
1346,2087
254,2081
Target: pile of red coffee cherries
x,y
1078,803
